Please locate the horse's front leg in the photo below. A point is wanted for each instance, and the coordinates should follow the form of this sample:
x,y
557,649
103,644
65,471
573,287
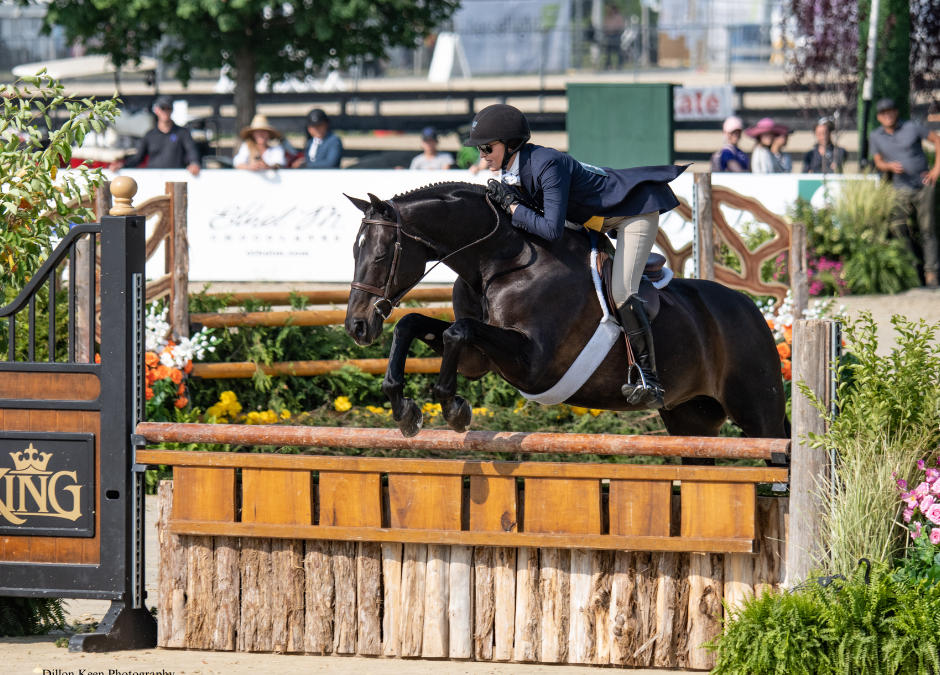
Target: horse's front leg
x,y
495,344
406,412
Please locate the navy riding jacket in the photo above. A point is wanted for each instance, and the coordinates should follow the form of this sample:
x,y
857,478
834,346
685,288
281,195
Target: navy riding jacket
x,y
565,189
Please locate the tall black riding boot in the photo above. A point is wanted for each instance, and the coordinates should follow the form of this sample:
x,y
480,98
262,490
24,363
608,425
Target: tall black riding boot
x,y
642,387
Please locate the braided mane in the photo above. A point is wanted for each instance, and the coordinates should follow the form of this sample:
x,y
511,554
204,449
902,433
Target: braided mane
x,y
435,185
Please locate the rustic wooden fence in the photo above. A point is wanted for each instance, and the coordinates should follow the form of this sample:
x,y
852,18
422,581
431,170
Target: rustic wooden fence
x,y
591,563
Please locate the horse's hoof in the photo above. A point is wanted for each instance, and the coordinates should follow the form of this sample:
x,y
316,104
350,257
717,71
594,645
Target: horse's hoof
x,y
460,420
411,420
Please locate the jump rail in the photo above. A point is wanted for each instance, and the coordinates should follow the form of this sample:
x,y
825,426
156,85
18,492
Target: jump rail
x,y
777,450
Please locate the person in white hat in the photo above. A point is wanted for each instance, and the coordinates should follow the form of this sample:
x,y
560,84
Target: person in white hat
x,y
257,152
730,157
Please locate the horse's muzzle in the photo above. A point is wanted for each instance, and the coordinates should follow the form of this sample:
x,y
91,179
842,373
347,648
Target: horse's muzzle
x,y
363,331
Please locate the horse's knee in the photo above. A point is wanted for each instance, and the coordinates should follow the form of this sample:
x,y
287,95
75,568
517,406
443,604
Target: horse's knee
x,y
459,334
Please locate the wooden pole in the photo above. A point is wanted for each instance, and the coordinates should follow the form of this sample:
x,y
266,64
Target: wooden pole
x,y
179,272
810,467
704,228
83,323
799,280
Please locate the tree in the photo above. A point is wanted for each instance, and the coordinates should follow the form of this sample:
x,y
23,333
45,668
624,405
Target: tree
x,y
35,201
925,51
892,57
283,39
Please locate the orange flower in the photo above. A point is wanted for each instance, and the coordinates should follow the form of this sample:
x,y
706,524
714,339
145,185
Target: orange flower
x,y
181,390
770,322
151,377
788,334
188,368
169,346
785,369
161,372
151,359
784,350
181,402
148,393
97,358
176,375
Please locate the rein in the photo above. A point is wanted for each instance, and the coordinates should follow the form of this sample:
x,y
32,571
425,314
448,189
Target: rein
x,y
390,302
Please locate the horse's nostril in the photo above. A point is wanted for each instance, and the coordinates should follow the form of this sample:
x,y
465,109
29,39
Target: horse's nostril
x,y
359,328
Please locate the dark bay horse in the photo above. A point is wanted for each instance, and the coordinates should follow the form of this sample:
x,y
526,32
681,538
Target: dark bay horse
x,y
525,308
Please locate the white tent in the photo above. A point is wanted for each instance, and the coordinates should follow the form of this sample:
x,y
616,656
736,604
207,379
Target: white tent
x,y
83,66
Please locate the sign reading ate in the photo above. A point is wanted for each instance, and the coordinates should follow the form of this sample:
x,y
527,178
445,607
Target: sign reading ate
x,y
703,103
47,484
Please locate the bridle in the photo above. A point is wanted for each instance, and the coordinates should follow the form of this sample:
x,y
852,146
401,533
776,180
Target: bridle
x,y
387,302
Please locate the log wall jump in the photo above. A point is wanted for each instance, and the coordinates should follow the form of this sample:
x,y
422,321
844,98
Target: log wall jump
x,y
508,561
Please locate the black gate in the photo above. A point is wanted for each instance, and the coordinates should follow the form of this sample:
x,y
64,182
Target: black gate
x,y
71,503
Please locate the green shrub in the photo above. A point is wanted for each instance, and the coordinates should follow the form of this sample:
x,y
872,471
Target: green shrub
x,y
20,617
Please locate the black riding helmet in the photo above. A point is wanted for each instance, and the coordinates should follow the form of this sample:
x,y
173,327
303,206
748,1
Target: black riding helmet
x,y
499,122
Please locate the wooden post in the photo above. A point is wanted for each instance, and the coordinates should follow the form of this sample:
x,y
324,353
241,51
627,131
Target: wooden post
x,y
809,467
179,271
83,323
799,280
704,229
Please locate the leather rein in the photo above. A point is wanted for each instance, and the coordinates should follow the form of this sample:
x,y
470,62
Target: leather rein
x,y
385,298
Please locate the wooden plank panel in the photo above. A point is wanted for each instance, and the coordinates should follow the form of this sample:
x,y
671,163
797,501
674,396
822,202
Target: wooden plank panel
x,y
769,561
227,586
705,580
527,638
369,595
413,574
622,621
719,510
171,575
460,602
664,654
318,597
50,386
350,499
435,639
445,467
391,605
580,630
554,589
484,606
201,599
602,564
254,619
504,572
562,506
91,548
69,549
640,507
277,497
646,588
199,492
425,502
493,504
344,613
16,549
287,595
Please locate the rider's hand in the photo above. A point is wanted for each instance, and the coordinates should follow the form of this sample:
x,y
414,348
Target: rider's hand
x,y
501,194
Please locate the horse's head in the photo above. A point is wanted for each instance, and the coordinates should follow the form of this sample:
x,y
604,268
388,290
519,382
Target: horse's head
x,y
388,263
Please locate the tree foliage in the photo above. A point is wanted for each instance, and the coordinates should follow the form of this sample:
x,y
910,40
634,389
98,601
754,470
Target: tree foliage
x,y
289,38
34,203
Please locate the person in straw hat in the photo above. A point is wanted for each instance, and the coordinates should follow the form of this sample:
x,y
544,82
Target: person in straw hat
x,y
257,152
767,156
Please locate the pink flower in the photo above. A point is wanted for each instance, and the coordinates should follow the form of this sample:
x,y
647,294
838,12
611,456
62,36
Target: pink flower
x,y
935,536
933,514
902,484
935,488
926,503
921,490
920,464
910,499
915,533
932,475
908,514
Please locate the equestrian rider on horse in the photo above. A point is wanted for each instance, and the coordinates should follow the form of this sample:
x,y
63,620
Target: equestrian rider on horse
x,y
543,189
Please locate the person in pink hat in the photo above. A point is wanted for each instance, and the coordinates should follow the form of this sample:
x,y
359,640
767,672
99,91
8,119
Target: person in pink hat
x,y
767,156
730,157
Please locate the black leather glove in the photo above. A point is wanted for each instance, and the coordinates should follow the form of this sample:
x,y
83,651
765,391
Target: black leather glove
x,y
501,194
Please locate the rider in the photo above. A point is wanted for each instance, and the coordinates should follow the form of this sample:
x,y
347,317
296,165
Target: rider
x,y
553,188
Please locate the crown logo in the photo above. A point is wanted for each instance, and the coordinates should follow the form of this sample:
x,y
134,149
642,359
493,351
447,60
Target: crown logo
x,y
31,460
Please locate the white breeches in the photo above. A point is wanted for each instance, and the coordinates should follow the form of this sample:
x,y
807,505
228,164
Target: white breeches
x,y
635,238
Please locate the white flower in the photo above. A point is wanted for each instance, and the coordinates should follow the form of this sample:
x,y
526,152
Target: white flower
x,y
189,349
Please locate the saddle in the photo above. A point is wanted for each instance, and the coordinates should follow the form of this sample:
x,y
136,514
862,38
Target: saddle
x,y
649,294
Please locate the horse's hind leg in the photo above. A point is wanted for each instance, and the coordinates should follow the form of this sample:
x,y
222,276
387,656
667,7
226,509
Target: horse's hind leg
x,y
406,412
702,416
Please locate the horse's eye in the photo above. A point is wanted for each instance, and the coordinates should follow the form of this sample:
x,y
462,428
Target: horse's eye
x,y
380,258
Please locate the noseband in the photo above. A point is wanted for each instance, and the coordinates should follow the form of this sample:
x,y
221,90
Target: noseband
x,y
386,302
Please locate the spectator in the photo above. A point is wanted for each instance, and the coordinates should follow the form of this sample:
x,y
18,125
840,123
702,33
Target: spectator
x,y
776,148
825,157
431,159
730,157
256,152
324,149
764,158
614,25
166,146
898,150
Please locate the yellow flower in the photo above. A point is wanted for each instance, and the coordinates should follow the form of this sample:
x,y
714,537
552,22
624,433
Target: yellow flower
x,y
595,412
431,409
342,404
375,410
285,414
228,397
253,418
483,412
578,411
268,417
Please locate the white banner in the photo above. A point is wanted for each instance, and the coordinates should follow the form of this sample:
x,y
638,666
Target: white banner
x,y
703,103
298,226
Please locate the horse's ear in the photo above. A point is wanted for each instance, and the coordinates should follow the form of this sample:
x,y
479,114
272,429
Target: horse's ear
x,y
382,208
360,204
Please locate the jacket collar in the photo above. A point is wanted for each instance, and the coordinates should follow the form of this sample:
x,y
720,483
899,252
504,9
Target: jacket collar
x,y
525,169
